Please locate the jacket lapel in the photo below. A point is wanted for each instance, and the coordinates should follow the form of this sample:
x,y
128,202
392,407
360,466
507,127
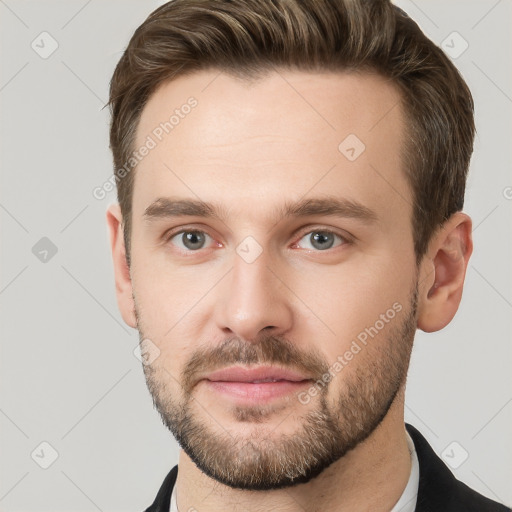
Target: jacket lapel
x,y
162,501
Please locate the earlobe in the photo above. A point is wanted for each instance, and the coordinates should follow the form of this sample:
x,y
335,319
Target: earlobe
x,y
123,282
443,270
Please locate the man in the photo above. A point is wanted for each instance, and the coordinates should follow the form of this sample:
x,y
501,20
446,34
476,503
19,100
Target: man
x,y
290,178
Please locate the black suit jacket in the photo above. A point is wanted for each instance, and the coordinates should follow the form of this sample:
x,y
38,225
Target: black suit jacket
x,y
438,491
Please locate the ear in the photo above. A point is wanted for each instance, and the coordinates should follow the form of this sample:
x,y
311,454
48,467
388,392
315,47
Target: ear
x,y
121,269
442,272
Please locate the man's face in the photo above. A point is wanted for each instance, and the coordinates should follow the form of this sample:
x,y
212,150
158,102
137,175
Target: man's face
x,y
330,297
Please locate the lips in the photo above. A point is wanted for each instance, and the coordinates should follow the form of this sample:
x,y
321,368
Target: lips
x,y
256,375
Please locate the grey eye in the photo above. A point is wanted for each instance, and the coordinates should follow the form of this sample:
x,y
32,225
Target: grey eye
x,y
321,239
190,240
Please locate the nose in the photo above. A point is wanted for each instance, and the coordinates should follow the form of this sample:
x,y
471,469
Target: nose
x,y
252,298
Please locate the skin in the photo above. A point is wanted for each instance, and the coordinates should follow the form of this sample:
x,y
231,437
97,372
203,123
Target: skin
x,y
250,147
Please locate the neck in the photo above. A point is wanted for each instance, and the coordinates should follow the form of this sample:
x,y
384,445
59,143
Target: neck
x,y
372,476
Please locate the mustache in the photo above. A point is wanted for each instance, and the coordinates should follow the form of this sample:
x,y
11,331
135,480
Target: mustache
x,y
266,350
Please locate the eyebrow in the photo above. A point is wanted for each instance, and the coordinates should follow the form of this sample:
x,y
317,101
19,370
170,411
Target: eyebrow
x,y
169,207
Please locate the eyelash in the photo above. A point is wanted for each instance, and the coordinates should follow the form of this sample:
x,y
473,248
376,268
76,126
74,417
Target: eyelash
x,y
345,240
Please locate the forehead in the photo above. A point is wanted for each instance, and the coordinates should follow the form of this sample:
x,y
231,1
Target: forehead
x,y
287,135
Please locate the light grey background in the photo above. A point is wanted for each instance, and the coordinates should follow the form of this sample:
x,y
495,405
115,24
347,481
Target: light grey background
x,y
69,376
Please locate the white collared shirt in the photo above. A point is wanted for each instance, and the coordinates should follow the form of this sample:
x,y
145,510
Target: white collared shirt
x,y
407,501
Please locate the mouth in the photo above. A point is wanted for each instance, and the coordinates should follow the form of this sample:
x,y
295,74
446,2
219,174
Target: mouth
x,y
257,385
256,375
253,393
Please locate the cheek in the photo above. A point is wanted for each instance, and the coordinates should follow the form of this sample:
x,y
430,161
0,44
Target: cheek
x,y
355,301
352,292
174,306
166,293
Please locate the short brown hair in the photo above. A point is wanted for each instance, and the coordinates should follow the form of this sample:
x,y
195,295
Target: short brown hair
x,y
247,38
